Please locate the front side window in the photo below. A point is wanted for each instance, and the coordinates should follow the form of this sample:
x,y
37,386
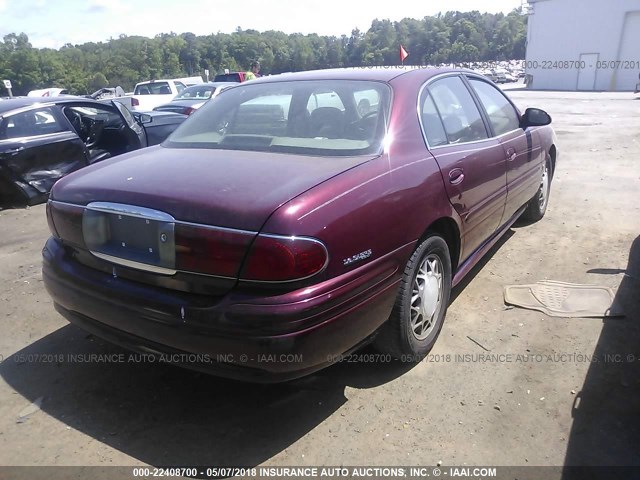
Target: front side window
x,y
41,121
305,117
502,115
460,115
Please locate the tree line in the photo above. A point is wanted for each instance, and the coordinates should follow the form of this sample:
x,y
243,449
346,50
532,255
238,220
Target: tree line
x,y
452,37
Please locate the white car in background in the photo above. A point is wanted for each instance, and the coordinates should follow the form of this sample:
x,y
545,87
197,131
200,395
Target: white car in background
x,y
194,97
148,95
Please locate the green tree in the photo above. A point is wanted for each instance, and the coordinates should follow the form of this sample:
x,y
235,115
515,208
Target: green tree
x,y
126,60
98,81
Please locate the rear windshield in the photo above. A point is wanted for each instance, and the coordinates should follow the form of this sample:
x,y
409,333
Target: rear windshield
x,y
155,88
202,92
330,117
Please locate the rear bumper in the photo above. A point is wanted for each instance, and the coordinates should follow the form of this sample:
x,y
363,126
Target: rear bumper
x,y
262,339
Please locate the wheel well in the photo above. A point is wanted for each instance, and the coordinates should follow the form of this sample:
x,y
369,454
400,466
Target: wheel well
x,y
448,229
552,155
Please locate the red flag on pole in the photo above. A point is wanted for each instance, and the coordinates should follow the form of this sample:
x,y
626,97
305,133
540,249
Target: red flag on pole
x,y
403,54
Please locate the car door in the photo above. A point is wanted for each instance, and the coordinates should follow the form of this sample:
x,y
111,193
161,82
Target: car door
x,y
525,159
135,132
36,149
473,165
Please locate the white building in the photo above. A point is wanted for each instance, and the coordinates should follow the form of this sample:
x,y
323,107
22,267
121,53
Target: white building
x,y
583,44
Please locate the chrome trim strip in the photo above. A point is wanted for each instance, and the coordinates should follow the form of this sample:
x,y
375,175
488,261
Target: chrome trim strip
x,y
130,211
177,222
135,265
214,227
66,204
64,135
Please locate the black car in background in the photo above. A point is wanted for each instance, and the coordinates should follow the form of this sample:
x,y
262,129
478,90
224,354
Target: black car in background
x,y
43,140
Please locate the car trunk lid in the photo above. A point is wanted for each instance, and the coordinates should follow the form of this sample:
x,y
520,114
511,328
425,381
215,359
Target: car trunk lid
x,y
164,210
226,188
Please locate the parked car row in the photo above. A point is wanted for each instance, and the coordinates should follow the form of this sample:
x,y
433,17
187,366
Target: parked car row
x,y
41,140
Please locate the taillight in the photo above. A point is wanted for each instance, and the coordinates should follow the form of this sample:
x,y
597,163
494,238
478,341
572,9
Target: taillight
x,y
212,251
52,227
135,102
189,110
65,222
277,259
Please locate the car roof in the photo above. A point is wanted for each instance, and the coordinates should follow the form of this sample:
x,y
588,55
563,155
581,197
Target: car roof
x,y
375,73
21,102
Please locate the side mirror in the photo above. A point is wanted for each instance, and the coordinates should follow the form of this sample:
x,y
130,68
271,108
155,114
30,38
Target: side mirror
x,y
145,118
535,117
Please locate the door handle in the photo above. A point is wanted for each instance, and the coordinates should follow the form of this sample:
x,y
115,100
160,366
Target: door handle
x,y
456,176
511,154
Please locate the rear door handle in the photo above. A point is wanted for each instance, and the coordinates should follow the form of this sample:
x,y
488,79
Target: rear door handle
x,y
456,176
511,154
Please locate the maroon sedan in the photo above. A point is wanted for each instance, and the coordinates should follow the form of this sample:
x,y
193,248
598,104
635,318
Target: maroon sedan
x,y
298,217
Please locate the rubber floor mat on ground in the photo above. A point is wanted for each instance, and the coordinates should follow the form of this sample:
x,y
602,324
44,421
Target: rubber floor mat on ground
x,y
560,299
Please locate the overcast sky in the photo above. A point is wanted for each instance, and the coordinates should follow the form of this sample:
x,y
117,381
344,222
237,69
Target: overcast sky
x,y
52,23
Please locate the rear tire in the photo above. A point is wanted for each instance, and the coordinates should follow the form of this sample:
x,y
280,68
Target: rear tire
x,y
537,206
423,297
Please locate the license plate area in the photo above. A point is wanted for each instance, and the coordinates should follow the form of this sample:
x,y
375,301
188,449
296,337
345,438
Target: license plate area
x,y
131,236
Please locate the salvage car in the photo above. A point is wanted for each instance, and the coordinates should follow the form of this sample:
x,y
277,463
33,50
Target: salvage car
x,y
194,97
43,140
280,227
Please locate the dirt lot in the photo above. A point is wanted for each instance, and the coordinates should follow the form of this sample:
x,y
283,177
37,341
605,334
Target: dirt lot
x,y
575,407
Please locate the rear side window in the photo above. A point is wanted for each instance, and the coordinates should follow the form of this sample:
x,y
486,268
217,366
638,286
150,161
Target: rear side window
x,y
155,88
460,115
431,122
28,124
502,115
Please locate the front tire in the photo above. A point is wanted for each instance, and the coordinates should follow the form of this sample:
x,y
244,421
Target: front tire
x,y
537,206
423,297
